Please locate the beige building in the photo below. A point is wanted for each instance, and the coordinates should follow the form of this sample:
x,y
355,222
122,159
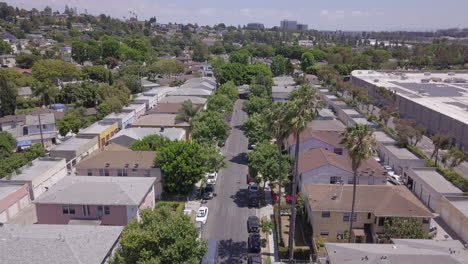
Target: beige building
x,y
329,208
454,211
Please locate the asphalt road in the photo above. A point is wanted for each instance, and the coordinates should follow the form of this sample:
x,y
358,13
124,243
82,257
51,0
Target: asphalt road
x,y
228,211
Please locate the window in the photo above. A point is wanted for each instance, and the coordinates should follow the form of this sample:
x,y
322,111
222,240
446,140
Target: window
x,y
67,209
119,172
100,210
37,126
339,151
340,235
86,210
44,126
324,233
90,172
346,217
369,215
326,214
381,221
425,221
147,173
124,173
101,172
107,210
350,180
106,172
335,179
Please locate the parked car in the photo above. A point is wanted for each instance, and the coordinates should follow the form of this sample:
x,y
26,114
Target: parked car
x,y
253,224
208,193
202,215
212,177
253,187
254,259
432,231
253,200
254,243
395,179
388,168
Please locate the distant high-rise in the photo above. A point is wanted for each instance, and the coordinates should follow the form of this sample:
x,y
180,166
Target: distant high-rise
x,y
292,25
255,26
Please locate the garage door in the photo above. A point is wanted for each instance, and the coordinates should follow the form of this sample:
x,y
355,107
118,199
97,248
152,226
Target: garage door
x,y
13,210
3,217
24,202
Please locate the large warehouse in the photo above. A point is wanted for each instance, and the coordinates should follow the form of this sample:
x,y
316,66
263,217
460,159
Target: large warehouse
x,y
439,101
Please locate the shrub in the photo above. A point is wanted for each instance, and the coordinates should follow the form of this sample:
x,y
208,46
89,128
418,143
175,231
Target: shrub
x,y
177,207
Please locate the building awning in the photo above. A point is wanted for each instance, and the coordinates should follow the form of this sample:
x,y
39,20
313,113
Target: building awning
x,y
24,143
359,232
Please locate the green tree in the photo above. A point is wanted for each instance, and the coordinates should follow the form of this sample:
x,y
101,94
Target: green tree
x,y
278,65
5,48
150,143
161,237
454,157
8,95
263,160
79,51
220,103
7,144
200,52
111,48
234,72
103,110
182,164
214,161
266,226
167,67
188,112
46,91
240,56
26,61
303,107
252,71
54,70
210,127
256,104
132,82
97,74
82,94
440,142
404,228
256,129
307,60
361,144
230,90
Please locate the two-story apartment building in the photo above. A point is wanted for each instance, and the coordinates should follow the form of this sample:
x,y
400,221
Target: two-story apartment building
x,y
127,136
102,200
75,149
329,207
140,109
320,166
103,130
163,121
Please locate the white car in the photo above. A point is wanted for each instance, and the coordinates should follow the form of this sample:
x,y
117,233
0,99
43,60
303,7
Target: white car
x,y
202,215
388,168
396,179
212,177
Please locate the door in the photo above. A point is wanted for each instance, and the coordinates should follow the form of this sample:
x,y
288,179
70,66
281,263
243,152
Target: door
x,y
86,210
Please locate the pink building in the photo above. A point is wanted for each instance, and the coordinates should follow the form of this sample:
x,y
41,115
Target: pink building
x,y
119,161
310,139
14,197
103,200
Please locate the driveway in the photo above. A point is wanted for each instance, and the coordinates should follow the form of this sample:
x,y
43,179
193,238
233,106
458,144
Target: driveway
x,y
227,219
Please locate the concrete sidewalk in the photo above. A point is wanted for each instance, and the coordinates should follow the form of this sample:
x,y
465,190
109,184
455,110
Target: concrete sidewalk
x,y
268,212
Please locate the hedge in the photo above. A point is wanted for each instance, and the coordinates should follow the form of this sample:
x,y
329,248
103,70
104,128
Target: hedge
x,y
177,207
299,253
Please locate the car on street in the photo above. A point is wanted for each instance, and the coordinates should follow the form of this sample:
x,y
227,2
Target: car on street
x,y
202,215
253,200
253,187
388,168
208,192
395,179
254,243
212,177
254,259
253,224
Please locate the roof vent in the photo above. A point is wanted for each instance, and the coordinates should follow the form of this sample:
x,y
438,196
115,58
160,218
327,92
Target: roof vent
x,y
136,165
107,165
334,197
162,129
376,80
126,165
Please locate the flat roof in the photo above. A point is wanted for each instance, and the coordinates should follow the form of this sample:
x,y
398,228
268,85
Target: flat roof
x,y
75,143
460,202
97,128
401,153
159,120
118,115
351,112
327,125
283,80
98,190
118,159
8,188
84,244
362,121
38,167
383,137
138,133
325,112
435,180
181,99
443,92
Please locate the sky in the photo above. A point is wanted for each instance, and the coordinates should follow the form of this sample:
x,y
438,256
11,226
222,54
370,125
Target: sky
x,y
322,15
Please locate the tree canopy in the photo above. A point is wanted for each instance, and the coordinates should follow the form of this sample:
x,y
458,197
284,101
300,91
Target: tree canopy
x,y
210,127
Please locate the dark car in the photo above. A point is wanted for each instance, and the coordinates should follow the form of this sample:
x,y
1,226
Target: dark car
x,y
253,224
253,200
208,193
254,243
254,259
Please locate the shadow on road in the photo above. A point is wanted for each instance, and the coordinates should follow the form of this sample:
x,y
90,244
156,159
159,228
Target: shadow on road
x,y
240,127
232,252
241,198
240,158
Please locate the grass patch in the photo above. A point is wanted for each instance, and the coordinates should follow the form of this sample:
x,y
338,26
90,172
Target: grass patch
x,y
177,207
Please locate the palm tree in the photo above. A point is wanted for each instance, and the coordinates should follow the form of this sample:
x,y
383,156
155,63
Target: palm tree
x,y
360,143
302,108
279,130
188,113
440,141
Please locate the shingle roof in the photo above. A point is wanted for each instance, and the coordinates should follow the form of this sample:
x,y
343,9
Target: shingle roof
x,y
118,159
31,244
317,158
329,137
160,120
12,118
48,118
98,190
382,200
57,114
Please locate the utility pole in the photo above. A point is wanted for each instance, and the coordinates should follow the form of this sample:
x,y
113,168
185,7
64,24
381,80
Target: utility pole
x,y
40,129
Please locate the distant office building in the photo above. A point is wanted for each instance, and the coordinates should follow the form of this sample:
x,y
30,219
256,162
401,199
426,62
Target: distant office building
x,y
289,25
255,26
292,25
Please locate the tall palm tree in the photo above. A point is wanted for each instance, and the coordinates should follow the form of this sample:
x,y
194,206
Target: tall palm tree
x,y
302,108
188,113
279,130
360,143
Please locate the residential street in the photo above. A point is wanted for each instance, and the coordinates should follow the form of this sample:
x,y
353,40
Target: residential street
x,y
228,210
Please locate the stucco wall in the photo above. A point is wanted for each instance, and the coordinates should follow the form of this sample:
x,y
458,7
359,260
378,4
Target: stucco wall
x,y
14,198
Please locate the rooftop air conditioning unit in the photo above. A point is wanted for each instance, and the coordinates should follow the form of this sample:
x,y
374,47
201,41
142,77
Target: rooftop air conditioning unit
x,y
427,74
376,80
451,74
